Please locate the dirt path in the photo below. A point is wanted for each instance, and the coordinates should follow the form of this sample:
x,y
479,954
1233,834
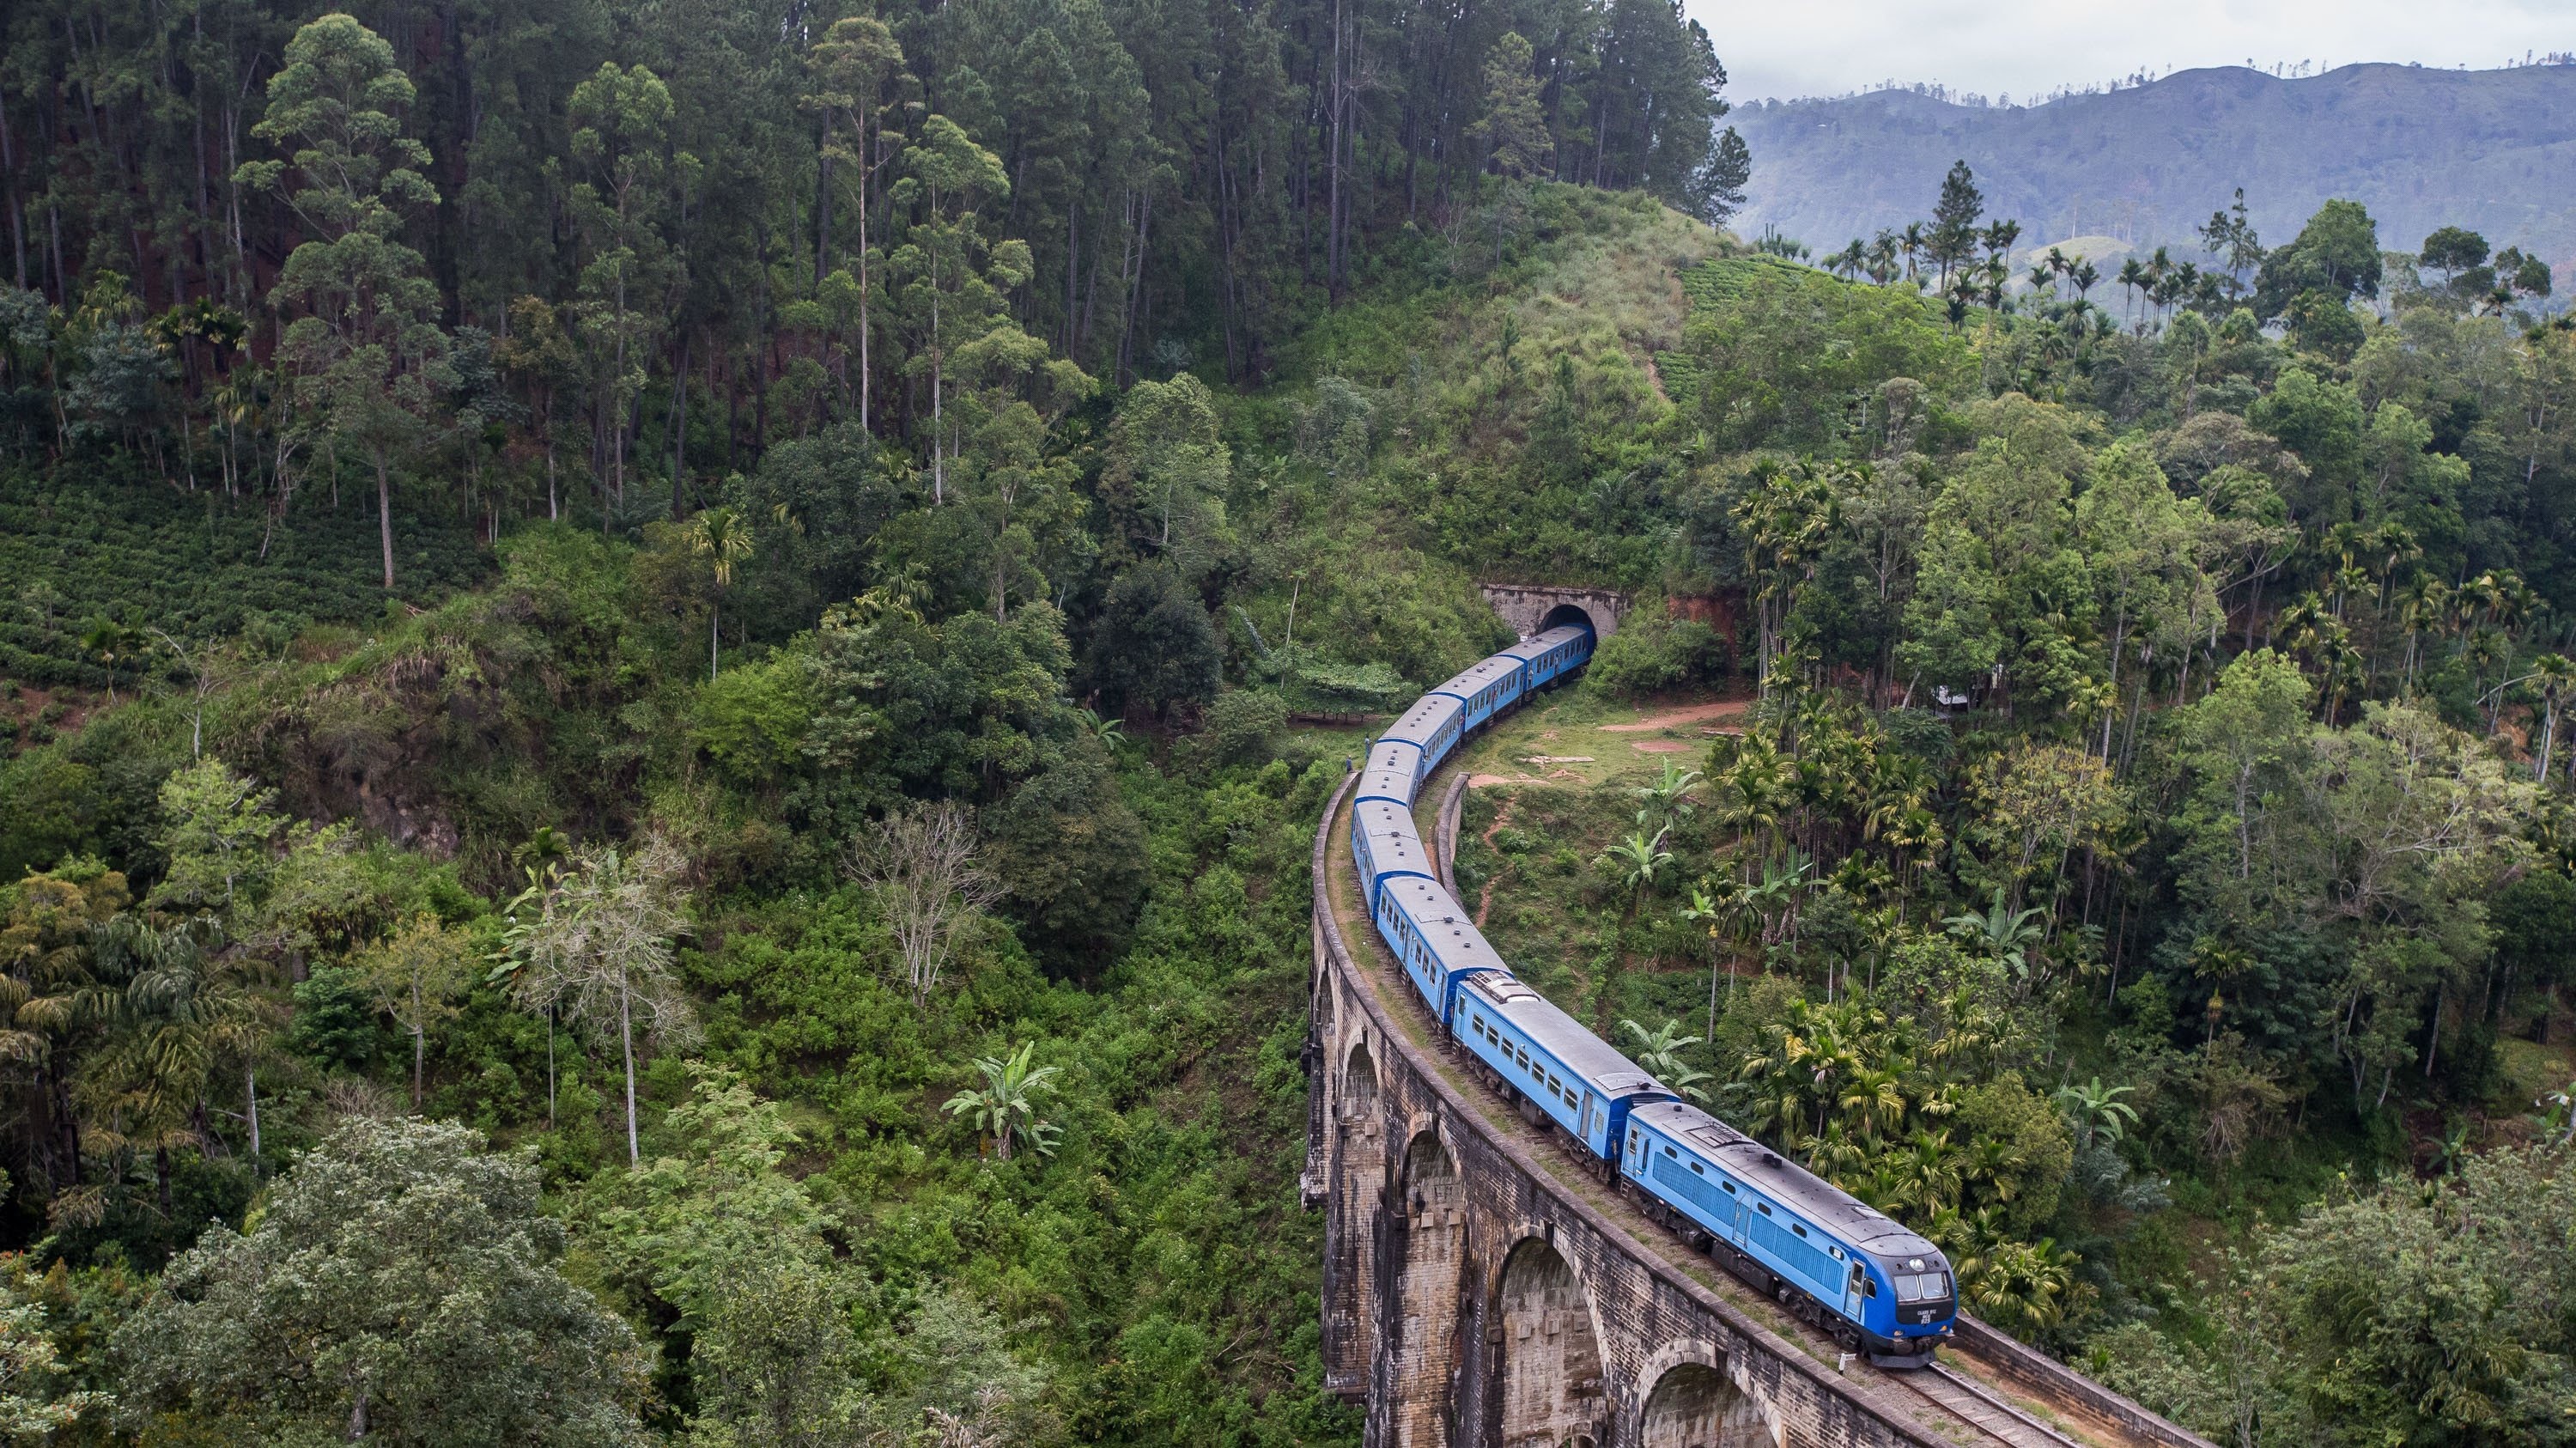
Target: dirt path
x,y
1695,714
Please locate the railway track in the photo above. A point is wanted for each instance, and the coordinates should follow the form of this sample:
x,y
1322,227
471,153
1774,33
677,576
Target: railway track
x,y
2017,1397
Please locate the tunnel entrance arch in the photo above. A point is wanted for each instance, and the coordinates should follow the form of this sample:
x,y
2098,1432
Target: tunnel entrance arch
x,y
1533,608
1548,1368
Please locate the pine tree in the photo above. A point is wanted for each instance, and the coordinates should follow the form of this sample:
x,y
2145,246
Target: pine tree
x,y
1954,220
1514,130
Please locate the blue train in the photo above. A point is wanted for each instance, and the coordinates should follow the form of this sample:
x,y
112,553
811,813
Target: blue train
x,y
1849,1268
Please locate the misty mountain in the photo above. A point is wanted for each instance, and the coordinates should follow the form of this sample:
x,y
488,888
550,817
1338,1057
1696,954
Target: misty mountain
x,y
2492,150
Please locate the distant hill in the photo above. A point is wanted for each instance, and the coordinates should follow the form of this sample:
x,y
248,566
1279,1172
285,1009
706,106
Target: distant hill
x,y
2491,150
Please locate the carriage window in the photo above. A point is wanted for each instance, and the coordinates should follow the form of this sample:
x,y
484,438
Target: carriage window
x,y
1794,1227
1859,1279
1763,1207
1696,1167
1730,1186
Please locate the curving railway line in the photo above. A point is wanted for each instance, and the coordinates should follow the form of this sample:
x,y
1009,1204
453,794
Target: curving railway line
x,y
1487,1285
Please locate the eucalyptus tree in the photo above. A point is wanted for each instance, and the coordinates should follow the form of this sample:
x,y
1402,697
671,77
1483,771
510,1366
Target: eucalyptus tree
x,y
363,344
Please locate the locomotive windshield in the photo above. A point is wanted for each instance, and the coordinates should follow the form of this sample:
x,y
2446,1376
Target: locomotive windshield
x,y
1923,1287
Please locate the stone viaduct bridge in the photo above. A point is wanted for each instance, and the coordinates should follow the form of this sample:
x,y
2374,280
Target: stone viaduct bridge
x,y
1484,1288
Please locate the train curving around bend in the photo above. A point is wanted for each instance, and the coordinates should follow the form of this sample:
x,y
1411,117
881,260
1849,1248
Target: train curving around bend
x,y
1842,1264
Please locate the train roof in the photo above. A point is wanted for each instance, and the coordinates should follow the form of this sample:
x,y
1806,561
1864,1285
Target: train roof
x,y
1453,937
1539,643
1786,1182
1565,1038
1389,754
1388,785
1490,671
1424,719
1394,844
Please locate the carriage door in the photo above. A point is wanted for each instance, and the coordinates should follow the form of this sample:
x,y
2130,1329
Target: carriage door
x,y
1586,1118
1854,1282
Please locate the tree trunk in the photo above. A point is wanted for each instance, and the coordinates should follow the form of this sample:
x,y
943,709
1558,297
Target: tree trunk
x,y
385,515
250,1096
626,1039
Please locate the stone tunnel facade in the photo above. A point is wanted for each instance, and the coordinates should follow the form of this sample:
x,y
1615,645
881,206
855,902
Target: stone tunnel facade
x,y
1529,608
1476,1301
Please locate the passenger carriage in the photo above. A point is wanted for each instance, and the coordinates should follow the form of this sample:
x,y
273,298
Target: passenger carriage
x,y
1574,1077
1432,726
1550,655
1386,846
1433,940
1489,688
1394,772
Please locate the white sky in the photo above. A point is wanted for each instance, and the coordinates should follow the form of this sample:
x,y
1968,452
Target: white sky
x,y
2028,47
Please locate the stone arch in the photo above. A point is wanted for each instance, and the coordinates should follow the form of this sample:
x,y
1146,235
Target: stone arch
x,y
1430,1240
1533,608
1548,1369
1693,1405
1359,1083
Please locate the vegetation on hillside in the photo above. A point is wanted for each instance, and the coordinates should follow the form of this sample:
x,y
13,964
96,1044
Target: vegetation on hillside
x,y
653,680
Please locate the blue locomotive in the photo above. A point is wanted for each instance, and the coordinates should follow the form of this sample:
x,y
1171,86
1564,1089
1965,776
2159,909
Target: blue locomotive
x,y
1849,1268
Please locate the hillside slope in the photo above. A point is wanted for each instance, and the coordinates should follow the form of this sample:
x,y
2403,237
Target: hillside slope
x,y
2492,150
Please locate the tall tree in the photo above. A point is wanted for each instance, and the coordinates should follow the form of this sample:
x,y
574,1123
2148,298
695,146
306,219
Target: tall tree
x,y
600,949
363,345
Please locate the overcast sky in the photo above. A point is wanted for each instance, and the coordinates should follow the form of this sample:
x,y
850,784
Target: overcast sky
x,y
2029,47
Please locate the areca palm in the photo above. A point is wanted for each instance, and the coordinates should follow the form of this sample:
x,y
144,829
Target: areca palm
x,y
1006,1109
1931,1171
2554,676
723,537
1716,905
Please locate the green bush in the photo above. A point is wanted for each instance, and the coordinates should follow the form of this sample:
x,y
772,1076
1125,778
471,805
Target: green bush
x,y
1656,653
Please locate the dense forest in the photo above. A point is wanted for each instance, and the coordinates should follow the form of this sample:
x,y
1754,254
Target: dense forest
x,y
666,671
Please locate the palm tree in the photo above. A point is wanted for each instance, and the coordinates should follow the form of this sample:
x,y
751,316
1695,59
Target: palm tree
x,y
1006,1109
724,536
2133,279
2004,933
1913,244
2555,676
112,644
2098,1110
1659,1051
1724,910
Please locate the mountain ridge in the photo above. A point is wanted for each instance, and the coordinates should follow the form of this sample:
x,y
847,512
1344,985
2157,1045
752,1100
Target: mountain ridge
x,y
2492,150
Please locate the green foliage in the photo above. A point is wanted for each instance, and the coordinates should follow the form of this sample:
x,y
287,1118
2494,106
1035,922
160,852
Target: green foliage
x,y
1655,652
412,1281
